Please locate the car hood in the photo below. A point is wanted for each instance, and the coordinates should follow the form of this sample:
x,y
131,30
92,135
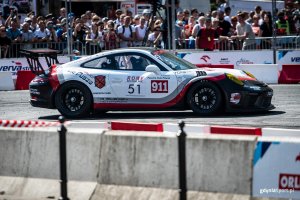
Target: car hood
x,y
213,72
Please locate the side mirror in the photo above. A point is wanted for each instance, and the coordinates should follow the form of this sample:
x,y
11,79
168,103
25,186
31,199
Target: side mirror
x,y
153,69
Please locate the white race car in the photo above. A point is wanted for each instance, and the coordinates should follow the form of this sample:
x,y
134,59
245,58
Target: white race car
x,y
145,79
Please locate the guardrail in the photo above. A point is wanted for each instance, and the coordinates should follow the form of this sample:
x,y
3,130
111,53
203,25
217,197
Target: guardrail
x,y
259,43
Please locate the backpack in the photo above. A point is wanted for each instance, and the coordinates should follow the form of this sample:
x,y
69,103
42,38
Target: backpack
x,y
130,28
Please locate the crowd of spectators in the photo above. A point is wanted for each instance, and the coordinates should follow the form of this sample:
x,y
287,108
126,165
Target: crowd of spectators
x,y
193,29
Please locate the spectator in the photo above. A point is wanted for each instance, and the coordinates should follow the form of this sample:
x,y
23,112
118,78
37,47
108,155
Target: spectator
x,y
140,32
225,25
178,34
52,32
61,32
250,19
257,10
5,42
41,34
214,14
62,14
198,26
136,20
118,19
92,39
126,33
186,16
266,30
34,23
26,36
255,26
223,4
195,13
206,35
187,32
227,14
245,33
13,32
180,18
282,25
79,33
155,38
111,38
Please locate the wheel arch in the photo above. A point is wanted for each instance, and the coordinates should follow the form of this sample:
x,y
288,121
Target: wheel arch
x,y
70,82
224,103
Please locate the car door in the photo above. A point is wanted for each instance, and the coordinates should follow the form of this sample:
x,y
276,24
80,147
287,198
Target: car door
x,y
134,85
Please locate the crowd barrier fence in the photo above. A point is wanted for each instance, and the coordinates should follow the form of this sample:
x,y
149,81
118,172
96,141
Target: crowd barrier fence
x,y
83,48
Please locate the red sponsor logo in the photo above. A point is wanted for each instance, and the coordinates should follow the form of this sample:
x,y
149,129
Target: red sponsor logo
x,y
205,58
100,81
159,86
298,158
289,181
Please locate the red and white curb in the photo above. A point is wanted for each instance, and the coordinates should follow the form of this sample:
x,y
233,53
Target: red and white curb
x,y
162,128
25,123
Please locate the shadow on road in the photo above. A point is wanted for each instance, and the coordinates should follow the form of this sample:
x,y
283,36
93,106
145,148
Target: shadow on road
x,y
164,115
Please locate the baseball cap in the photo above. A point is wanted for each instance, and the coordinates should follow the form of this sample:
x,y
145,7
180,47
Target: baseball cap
x,y
27,19
146,11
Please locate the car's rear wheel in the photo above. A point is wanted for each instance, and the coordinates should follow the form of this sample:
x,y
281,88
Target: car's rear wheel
x,y
204,98
73,100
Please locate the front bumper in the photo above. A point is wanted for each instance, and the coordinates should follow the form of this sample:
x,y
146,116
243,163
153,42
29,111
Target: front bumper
x,y
255,96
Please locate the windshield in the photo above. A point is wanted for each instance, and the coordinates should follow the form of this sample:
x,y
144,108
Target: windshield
x,y
173,61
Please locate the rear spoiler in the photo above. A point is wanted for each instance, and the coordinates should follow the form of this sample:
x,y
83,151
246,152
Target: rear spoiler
x,y
33,56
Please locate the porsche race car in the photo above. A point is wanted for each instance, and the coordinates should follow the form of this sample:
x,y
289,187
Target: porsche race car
x,y
145,79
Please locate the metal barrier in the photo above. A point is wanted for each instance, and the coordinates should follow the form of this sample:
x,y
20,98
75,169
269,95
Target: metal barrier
x,y
259,43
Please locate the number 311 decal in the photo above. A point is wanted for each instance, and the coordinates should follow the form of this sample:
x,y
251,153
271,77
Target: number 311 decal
x,y
159,86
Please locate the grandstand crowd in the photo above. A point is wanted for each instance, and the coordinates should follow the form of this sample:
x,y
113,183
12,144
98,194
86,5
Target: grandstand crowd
x,y
193,28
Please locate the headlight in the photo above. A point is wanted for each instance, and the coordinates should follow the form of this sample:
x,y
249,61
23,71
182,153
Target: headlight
x,y
249,74
234,79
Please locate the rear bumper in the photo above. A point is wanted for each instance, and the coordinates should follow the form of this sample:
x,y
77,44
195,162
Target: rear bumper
x,y
41,95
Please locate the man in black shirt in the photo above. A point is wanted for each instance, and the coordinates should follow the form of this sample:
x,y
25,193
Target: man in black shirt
x,y
4,42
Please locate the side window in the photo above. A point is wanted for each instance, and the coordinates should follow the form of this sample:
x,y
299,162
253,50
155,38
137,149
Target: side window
x,y
107,62
138,62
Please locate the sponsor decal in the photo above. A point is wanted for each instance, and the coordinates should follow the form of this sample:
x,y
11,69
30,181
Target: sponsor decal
x,y
113,100
82,76
158,77
101,92
224,61
201,73
14,68
135,79
159,86
100,81
295,59
298,158
289,181
205,58
243,61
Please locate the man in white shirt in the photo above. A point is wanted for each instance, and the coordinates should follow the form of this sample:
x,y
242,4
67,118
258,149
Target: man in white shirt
x,y
140,31
245,32
126,33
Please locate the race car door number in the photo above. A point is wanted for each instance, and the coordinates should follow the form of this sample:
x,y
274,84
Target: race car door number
x,y
159,86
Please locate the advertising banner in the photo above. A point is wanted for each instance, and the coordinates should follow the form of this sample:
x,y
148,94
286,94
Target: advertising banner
x,y
227,58
288,57
13,65
276,170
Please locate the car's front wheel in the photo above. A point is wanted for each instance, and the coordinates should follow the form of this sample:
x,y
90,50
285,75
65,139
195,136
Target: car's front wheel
x,y
73,100
204,98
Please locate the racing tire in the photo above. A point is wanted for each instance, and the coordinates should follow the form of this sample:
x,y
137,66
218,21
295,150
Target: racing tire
x,y
204,98
73,100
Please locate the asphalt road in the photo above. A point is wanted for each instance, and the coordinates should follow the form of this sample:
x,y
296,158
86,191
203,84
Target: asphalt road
x,y
15,105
